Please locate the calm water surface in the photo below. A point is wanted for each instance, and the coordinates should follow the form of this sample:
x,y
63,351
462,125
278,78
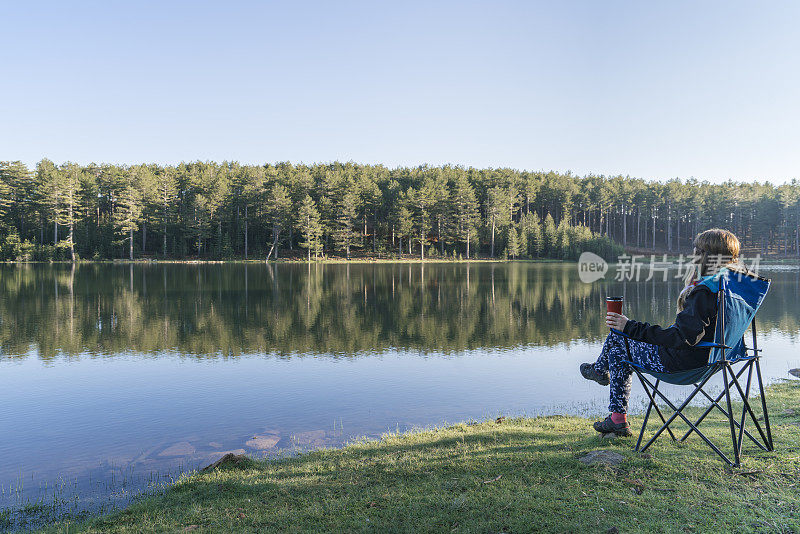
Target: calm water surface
x,y
115,378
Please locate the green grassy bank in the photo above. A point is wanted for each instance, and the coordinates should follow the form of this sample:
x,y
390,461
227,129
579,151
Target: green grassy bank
x,y
516,475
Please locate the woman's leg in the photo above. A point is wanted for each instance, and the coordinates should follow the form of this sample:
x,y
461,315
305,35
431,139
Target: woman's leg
x,y
601,365
613,356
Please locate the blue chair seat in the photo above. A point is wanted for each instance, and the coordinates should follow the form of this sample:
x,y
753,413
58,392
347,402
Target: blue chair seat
x,y
681,378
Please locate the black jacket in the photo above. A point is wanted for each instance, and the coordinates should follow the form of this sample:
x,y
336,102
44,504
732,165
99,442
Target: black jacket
x,y
695,323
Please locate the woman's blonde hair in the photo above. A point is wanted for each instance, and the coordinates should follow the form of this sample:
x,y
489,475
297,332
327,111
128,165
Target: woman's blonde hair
x,y
714,249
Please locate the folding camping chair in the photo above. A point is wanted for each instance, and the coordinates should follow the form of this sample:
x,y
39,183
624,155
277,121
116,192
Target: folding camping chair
x,y
739,297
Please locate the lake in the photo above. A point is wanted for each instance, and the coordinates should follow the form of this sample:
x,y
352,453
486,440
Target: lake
x,y
115,378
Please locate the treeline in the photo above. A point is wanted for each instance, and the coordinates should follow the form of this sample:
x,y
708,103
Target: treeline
x,y
216,211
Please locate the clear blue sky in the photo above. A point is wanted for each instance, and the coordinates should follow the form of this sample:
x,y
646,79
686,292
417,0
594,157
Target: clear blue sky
x,y
655,90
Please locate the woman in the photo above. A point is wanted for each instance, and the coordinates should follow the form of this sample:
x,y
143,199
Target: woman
x,y
663,349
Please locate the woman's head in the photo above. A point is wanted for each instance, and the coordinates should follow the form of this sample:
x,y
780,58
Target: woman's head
x,y
714,249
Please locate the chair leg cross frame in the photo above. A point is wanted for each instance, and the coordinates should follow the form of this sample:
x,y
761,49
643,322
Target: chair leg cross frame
x,y
652,391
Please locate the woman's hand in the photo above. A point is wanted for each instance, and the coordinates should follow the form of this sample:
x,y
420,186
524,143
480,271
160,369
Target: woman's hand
x,y
616,321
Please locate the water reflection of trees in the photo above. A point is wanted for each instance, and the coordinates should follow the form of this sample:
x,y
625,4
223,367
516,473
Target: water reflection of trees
x,y
212,311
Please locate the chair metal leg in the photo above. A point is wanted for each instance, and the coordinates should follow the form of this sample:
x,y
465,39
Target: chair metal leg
x,y
747,409
770,446
653,401
646,415
749,366
730,414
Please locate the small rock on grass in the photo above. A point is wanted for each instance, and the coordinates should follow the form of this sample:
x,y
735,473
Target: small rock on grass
x,y
229,460
219,454
602,457
609,435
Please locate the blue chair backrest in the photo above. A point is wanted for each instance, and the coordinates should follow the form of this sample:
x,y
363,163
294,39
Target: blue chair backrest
x,y
740,295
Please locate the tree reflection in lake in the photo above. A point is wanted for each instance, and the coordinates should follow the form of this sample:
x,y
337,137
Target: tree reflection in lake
x,y
209,311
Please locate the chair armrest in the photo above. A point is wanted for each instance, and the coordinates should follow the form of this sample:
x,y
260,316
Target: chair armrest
x,y
700,344
714,345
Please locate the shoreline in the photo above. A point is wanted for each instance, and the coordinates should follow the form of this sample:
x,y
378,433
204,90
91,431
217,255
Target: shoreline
x,y
344,261
287,261
492,475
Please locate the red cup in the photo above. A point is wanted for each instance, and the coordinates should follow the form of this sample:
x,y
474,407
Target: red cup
x,y
614,304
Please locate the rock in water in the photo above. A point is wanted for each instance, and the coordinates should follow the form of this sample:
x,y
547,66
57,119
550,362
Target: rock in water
x,y
263,442
602,457
183,448
795,372
312,438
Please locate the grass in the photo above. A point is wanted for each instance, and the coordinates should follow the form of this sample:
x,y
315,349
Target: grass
x,y
518,475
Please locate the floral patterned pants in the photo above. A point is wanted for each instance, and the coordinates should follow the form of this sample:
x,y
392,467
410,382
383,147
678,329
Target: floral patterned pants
x,y
612,360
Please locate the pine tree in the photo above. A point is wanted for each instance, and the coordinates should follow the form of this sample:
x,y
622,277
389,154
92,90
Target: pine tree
x,y
466,210
129,206
310,228
211,189
343,235
248,185
17,195
523,237
6,189
420,201
71,193
166,187
50,191
512,242
278,211
89,207
550,236
498,211
564,241
371,200
535,235
404,225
